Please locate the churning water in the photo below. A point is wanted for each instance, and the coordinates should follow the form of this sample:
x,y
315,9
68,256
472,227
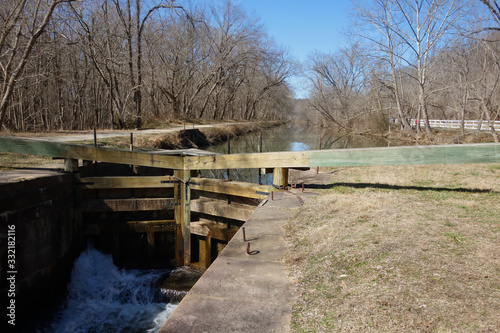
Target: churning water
x,y
103,298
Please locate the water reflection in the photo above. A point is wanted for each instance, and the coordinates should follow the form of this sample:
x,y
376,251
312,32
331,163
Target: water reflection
x,y
298,146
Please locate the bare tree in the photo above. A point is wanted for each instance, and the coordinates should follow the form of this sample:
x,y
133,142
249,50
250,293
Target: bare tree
x,y
271,70
486,86
424,29
415,32
107,63
494,9
234,39
338,84
133,26
383,45
22,24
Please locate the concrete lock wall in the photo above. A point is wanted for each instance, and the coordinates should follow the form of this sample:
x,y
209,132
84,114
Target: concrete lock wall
x,y
39,239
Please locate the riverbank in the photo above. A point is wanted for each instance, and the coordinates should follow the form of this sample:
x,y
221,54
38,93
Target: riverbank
x,y
397,249
441,136
211,135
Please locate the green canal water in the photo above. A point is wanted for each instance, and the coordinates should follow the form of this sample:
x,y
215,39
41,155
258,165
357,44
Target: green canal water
x,y
289,137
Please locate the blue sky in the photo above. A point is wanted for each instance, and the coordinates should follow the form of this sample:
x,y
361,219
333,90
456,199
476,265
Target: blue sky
x,y
302,27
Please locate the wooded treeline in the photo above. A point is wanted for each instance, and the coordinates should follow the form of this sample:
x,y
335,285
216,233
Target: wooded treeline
x,y
411,59
76,64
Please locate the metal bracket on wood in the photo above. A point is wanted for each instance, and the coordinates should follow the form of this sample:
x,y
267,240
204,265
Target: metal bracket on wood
x,y
169,181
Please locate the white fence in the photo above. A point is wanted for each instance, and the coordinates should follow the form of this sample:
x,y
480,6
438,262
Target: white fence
x,y
468,124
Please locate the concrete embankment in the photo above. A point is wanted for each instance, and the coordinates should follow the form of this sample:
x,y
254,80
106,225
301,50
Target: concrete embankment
x,y
243,292
36,222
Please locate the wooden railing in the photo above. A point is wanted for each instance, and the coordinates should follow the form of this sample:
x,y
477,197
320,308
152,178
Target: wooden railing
x,y
407,155
457,124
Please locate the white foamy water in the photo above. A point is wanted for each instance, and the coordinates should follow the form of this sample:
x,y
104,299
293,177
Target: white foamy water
x,y
103,298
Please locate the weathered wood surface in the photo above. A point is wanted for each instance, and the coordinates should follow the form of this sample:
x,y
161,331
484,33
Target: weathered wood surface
x,y
127,205
129,227
182,197
222,209
280,177
214,230
89,153
94,183
205,253
222,186
408,155
253,160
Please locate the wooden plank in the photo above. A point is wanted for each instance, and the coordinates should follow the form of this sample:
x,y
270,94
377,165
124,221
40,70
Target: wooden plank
x,y
409,155
445,154
280,177
182,196
72,151
129,227
206,252
254,160
93,183
222,209
241,189
71,165
126,205
214,230
185,152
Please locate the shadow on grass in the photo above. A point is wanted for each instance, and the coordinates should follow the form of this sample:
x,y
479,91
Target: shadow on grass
x,y
396,187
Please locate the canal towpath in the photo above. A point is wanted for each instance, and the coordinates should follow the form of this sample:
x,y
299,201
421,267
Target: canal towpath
x,y
106,134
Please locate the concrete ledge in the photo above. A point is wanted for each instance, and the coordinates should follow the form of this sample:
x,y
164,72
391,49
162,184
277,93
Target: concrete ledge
x,y
241,292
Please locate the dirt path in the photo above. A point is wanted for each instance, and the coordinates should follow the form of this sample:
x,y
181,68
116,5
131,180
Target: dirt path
x,y
104,134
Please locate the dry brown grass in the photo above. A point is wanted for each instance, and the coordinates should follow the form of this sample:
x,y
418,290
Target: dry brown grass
x,y
442,136
422,256
9,161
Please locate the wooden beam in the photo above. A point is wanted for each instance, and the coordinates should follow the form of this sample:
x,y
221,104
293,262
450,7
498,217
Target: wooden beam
x,y
81,152
408,155
222,186
206,252
182,196
222,209
71,165
414,155
94,183
126,205
254,160
280,177
129,227
214,230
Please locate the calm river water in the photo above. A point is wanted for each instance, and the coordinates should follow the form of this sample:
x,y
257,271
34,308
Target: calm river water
x,y
290,137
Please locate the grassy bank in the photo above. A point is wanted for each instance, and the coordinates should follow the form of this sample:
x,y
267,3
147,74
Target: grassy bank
x,y
399,249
